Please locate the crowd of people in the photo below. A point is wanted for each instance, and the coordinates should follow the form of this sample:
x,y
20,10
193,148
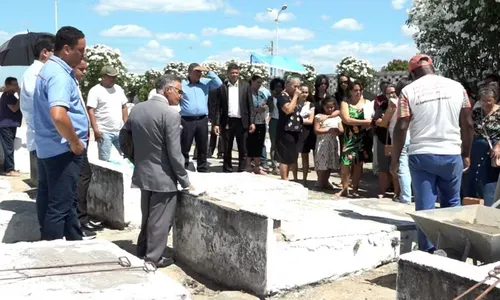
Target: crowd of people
x,y
424,134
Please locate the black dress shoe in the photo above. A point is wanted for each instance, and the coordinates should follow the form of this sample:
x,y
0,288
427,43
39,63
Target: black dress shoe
x,y
164,262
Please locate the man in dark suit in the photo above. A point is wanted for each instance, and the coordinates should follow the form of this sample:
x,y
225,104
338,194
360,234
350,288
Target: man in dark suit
x,y
233,116
155,129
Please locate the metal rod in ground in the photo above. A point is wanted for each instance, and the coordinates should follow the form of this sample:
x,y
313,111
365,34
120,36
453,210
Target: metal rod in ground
x,y
79,272
122,261
488,290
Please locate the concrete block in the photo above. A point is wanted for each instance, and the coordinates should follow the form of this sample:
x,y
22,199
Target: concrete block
x,y
110,196
256,238
431,277
121,284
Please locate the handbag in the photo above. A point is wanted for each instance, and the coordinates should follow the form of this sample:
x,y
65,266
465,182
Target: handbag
x,y
495,161
387,148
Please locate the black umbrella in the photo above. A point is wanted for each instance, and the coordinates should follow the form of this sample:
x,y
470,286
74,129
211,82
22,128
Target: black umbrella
x,y
18,51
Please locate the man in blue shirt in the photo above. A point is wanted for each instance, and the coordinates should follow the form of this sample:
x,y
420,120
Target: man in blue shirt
x,y
61,133
194,113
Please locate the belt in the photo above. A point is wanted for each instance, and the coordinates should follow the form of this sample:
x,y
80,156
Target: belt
x,y
193,118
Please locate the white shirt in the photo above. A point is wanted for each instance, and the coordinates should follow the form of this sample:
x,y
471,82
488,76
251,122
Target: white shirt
x,y
434,104
394,118
152,93
275,114
107,103
233,100
28,84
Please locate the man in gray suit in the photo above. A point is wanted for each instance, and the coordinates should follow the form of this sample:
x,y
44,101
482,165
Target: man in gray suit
x,y
154,128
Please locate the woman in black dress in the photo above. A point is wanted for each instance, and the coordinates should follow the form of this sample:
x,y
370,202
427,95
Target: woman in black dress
x,y
289,127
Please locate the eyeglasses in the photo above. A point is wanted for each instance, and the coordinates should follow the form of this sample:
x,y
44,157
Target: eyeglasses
x,y
179,91
344,82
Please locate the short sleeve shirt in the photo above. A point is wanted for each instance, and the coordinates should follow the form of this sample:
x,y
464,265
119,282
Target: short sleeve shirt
x,y
291,122
434,103
8,118
56,86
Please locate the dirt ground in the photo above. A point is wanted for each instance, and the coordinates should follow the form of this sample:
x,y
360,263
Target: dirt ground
x,y
379,283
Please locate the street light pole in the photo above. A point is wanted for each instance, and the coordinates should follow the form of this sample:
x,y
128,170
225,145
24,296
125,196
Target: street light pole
x,y
55,15
276,21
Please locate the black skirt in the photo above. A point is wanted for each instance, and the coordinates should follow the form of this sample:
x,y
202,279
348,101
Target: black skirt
x,y
307,140
255,141
287,146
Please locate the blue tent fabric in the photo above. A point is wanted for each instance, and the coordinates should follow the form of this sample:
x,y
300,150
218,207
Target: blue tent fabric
x,y
278,62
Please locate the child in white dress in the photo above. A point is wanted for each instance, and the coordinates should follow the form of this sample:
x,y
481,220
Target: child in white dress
x,y
327,147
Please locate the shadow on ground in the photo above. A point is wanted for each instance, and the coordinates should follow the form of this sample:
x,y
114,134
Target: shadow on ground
x,y
187,276
388,281
23,224
400,224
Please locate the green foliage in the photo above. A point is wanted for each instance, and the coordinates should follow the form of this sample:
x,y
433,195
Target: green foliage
x,y
357,69
99,56
308,78
396,65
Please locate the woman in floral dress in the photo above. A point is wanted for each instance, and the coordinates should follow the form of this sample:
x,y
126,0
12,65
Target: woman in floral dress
x,y
357,142
480,180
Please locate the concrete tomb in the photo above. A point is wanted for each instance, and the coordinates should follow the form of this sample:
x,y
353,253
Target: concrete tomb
x,y
262,235
37,280
425,276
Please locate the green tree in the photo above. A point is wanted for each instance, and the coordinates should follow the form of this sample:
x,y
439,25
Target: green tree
x,y
462,37
99,56
396,65
357,69
307,78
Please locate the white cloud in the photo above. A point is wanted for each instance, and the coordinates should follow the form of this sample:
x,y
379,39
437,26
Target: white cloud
x,y
235,53
348,24
398,4
176,36
107,6
206,43
326,57
408,31
209,31
325,17
258,33
229,10
153,51
4,35
126,31
271,15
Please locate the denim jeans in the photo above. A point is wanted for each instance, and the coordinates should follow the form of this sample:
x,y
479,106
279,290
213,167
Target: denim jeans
x,y
480,180
108,140
404,176
435,176
56,199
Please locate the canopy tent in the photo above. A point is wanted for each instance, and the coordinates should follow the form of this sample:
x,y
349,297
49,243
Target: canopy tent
x,y
282,63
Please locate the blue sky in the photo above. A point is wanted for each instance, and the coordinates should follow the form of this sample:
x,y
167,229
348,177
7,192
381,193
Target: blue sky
x,y
150,33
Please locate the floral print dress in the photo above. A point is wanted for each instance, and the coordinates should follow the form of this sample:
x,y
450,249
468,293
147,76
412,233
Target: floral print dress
x,y
356,147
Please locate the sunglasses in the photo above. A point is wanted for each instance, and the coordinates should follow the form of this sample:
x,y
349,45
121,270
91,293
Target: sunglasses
x,y
180,92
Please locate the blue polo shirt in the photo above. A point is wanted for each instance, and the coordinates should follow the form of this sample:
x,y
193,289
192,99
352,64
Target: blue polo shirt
x,y
195,98
56,86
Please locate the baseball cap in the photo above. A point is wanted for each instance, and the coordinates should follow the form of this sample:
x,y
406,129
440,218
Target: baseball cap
x,y
109,70
418,61
192,66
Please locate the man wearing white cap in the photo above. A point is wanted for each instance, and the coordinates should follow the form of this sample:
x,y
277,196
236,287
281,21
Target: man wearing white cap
x,y
107,107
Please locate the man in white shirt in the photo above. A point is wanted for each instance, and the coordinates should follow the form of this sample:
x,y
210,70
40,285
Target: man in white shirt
x,y
107,108
437,112
43,49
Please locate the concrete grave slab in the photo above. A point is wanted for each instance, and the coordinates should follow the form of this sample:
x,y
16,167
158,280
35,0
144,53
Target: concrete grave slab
x,y
263,235
431,277
122,284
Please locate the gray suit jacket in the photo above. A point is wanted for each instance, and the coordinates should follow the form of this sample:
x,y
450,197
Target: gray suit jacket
x,y
155,128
